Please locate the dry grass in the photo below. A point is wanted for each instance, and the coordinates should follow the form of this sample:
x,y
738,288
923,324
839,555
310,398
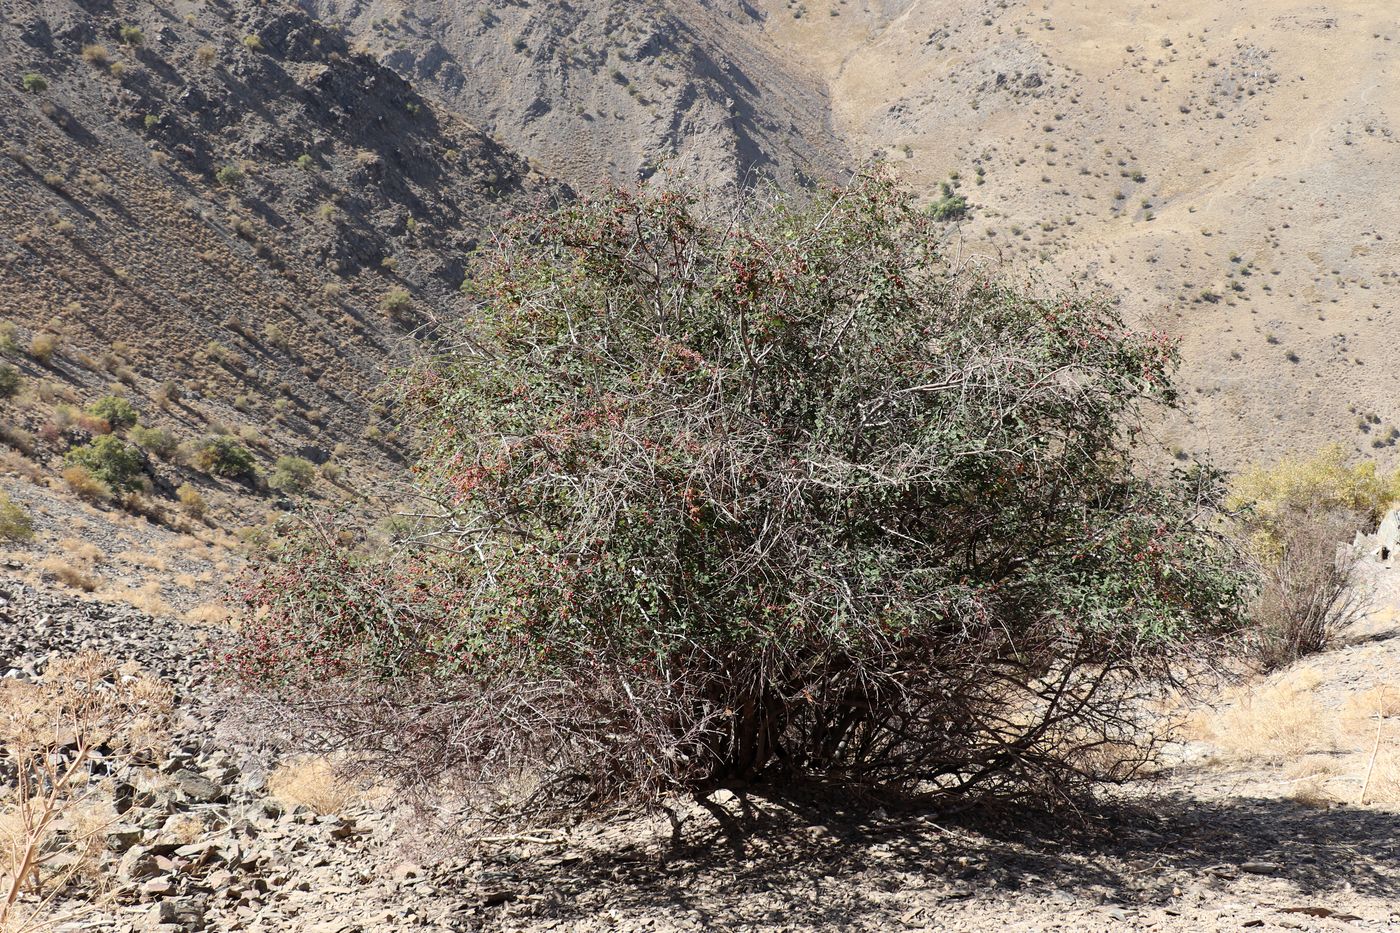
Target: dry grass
x,y
68,574
313,781
147,597
78,550
1276,720
144,559
207,614
1385,780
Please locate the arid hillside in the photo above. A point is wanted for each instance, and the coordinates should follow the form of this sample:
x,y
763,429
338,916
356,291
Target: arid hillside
x,y
1223,167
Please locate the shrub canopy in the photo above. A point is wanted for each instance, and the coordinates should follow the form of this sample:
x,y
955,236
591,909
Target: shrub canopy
x,y
109,459
775,500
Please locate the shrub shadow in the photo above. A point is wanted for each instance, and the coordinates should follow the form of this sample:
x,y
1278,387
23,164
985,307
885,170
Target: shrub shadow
x,y
804,857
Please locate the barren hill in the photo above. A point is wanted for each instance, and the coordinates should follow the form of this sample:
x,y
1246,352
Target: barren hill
x,y
1224,167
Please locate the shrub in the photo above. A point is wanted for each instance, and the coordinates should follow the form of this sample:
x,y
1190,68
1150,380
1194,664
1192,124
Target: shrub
x,y
9,343
116,411
15,524
95,54
111,461
253,43
33,83
42,347
949,206
223,456
396,301
1300,518
87,486
158,441
191,500
292,475
9,381
229,175
131,35
787,501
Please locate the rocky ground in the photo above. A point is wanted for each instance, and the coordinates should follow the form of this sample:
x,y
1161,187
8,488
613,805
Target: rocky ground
x,y
203,844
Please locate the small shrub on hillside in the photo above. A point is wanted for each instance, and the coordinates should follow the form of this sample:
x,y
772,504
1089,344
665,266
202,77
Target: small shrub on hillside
x,y
15,524
42,347
9,381
158,441
191,501
949,206
396,301
111,461
131,35
95,54
9,341
116,411
292,475
85,485
791,500
34,83
229,175
253,43
222,456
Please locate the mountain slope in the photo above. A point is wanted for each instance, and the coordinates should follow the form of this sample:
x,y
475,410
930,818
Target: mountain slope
x,y
612,90
223,204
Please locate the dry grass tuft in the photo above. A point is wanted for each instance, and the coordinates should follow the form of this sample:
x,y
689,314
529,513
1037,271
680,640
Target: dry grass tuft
x,y
313,781
147,597
207,614
69,574
143,559
78,550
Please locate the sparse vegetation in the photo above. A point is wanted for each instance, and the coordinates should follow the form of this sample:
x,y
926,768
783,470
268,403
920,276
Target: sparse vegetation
x,y
15,523
34,83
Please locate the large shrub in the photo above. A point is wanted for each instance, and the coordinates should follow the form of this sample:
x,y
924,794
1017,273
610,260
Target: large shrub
x,y
780,500
111,461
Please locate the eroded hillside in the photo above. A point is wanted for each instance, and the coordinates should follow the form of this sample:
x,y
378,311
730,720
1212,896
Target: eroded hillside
x,y
612,90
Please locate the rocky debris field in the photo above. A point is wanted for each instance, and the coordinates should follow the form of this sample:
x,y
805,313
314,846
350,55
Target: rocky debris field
x,y
201,843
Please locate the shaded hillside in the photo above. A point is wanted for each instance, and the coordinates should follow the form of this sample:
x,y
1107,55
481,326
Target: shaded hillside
x,y
612,90
223,211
